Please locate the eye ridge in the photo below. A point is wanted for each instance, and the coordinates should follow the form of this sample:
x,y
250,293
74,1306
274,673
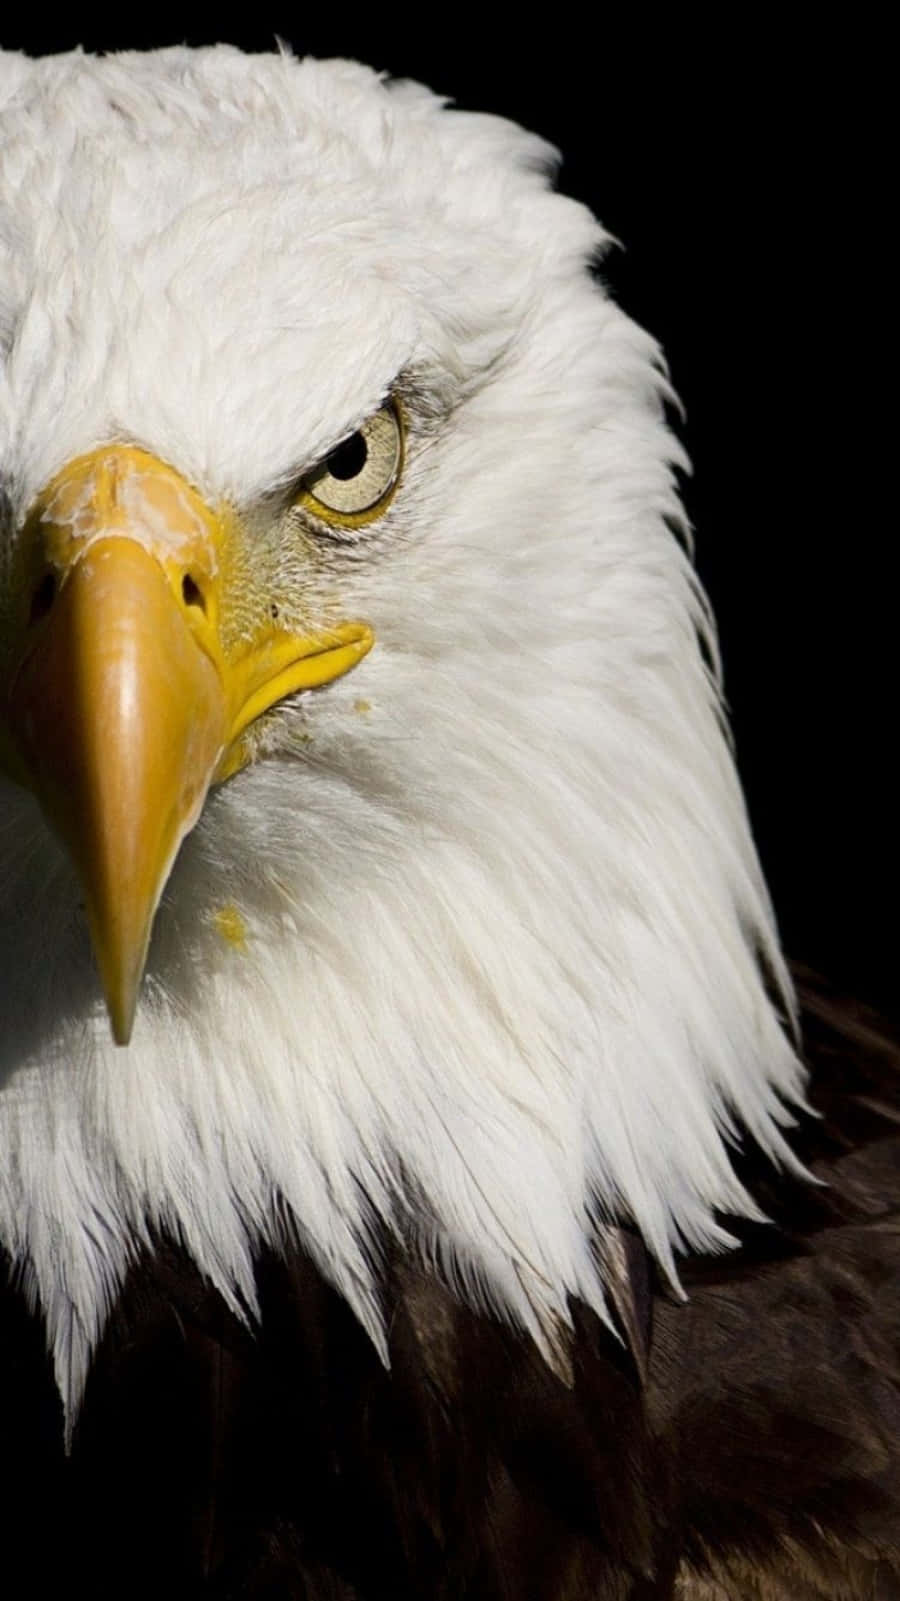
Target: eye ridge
x,y
348,459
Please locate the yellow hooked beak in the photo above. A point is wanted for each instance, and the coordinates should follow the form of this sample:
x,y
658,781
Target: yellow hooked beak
x,y
122,704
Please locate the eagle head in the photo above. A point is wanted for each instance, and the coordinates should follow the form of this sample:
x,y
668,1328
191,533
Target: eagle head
x,y
371,850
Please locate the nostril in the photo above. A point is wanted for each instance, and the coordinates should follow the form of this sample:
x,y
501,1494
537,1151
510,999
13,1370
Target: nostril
x,y
43,598
192,594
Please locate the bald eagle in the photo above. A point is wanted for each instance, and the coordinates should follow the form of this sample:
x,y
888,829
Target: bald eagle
x,y
420,1173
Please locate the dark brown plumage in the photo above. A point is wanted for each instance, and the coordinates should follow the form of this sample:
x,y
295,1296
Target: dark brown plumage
x,y
758,1458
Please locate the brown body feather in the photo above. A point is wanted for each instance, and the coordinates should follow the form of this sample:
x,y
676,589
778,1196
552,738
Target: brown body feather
x,y
744,1444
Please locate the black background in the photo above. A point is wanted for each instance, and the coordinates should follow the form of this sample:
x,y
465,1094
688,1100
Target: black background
x,y
740,165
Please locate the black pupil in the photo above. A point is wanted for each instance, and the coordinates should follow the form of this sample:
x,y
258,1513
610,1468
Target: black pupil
x,y
349,459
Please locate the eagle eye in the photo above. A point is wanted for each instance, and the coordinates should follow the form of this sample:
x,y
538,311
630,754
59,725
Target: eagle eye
x,y
355,482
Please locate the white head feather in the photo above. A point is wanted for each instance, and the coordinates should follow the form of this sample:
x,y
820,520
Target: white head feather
x,y
504,916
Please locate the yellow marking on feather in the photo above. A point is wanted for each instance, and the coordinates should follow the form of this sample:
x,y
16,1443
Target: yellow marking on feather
x,y
231,926
362,706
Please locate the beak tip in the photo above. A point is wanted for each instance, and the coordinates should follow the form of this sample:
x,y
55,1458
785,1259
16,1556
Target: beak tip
x,y
121,988
121,1030
120,1010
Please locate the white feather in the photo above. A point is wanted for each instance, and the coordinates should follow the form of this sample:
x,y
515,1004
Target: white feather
x,y
504,926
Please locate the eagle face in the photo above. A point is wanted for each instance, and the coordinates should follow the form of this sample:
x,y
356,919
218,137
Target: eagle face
x,y
357,740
